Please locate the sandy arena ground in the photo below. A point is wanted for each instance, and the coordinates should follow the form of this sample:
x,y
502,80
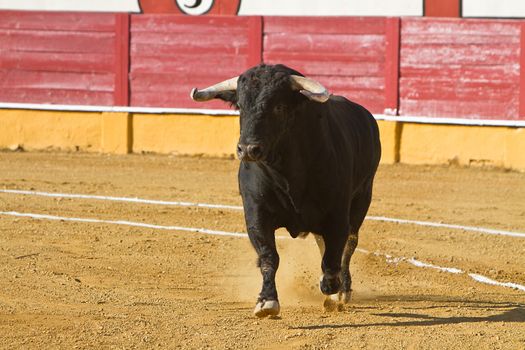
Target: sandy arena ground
x,y
92,285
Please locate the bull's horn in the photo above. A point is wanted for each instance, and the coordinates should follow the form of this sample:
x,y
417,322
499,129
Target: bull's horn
x,y
310,88
212,91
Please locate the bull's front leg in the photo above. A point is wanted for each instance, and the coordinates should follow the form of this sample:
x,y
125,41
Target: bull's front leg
x,y
268,261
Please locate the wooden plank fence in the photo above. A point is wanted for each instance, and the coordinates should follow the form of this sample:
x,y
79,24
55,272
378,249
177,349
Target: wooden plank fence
x,y
429,67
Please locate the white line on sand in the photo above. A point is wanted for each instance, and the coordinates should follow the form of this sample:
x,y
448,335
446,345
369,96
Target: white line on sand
x,y
453,270
236,207
122,199
124,223
389,259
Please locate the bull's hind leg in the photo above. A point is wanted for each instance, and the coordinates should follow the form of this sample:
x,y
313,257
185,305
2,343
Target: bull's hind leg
x,y
332,301
359,208
346,278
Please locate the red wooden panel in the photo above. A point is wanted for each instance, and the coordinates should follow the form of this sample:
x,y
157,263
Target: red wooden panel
x,y
172,54
474,73
58,57
442,8
455,27
56,96
362,45
442,55
448,89
325,25
346,54
56,61
483,73
65,21
172,50
458,109
326,66
185,64
173,43
326,57
457,39
56,41
57,80
187,24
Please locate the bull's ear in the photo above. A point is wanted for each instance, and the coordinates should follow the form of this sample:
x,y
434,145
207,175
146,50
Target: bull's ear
x,y
225,90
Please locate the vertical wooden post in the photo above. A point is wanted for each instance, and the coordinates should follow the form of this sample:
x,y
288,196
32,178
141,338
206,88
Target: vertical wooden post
x,y
442,8
116,135
522,72
121,67
255,37
392,36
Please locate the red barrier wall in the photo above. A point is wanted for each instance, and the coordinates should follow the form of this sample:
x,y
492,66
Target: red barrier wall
x,y
412,66
62,58
172,54
460,68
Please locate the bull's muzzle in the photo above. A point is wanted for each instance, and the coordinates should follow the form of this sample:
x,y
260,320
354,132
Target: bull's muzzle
x,y
249,153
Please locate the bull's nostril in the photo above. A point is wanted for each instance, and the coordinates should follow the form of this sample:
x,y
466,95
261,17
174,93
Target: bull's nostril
x,y
255,151
241,151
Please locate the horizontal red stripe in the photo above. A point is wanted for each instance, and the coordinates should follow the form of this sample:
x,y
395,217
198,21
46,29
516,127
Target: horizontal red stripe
x,y
362,45
63,21
56,41
185,24
454,108
56,96
325,25
59,62
454,27
57,80
213,65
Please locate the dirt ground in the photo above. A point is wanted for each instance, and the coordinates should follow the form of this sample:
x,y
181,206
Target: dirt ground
x,y
92,285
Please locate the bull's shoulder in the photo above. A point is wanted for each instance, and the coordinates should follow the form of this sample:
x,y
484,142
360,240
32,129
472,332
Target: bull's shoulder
x,y
345,112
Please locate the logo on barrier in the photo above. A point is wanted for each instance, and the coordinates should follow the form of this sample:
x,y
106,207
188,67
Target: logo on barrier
x,y
195,7
191,7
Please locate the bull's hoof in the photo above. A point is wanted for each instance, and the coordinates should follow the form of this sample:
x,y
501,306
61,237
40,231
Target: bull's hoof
x,y
345,297
330,286
331,303
266,308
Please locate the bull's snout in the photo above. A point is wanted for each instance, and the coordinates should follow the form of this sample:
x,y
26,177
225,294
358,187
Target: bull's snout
x,y
252,152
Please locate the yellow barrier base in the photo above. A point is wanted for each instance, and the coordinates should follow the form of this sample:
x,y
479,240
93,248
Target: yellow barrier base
x,y
112,132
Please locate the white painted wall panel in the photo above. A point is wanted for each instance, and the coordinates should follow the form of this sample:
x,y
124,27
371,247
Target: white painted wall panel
x,y
72,5
494,8
332,7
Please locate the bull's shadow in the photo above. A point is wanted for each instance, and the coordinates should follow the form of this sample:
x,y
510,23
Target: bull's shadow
x,y
506,312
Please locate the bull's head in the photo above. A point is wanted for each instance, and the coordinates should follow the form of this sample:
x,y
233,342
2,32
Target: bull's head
x,y
267,98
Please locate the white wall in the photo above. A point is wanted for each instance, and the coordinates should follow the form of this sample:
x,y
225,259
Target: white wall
x,y
493,8
72,5
332,7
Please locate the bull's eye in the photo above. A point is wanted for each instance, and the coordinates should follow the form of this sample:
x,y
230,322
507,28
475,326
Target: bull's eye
x,y
279,109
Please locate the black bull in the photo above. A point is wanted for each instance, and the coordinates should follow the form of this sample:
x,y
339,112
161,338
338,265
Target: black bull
x,y
308,161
